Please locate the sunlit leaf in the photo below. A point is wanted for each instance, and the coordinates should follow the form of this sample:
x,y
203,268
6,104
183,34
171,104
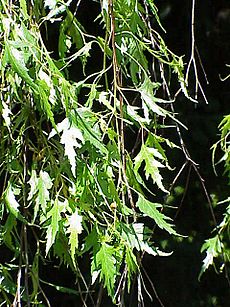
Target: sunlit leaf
x,y
105,261
44,184
6,112
150,209
12,203
150,156
132,265
50,4
213,248
23,6
74,229
147,91
55,215
71,138
17,61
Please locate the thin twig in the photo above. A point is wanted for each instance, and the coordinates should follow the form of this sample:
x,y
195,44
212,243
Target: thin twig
x,y
24,228
121,287
177,176
117,76
192,60
17,299
139,291
153,287
214,220
100,295
185,192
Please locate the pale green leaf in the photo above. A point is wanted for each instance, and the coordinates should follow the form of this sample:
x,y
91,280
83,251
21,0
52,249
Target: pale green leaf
x,y
23,6
53,228
50,4
105,261
33,182
71,138
6,112
48,81
150,209
155,12
147,91
55,9
17,60
12,203
44,184
213,248
133,235
74,229
152,165
132,112
132,265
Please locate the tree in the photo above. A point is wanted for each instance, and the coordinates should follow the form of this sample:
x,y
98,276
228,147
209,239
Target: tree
x,y
84,155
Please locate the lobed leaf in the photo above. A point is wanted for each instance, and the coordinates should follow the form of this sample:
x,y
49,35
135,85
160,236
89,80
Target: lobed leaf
x,y
152,165
213,248
106,263
150,209
74,229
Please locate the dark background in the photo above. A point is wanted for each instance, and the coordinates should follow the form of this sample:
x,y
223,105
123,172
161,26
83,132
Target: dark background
x,y
175,278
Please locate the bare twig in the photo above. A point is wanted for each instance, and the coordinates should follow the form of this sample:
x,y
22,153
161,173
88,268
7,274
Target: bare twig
x,y
192,61
17,298
185,192
153,287
100,295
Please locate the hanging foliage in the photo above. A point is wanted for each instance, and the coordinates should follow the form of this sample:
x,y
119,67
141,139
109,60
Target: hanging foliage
x,y
69,181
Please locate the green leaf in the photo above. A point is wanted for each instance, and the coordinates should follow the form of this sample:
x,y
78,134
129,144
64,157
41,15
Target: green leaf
x,y
12,203
149,156
23,6
104,46
155,12
43,99
91,241
132,265
53,228
51,4
150,209
105,261
8,231
17,60
74,229
6,112
90,134
74,29
71,138
61,250
7,283
213,248
134,236
43,185
147,91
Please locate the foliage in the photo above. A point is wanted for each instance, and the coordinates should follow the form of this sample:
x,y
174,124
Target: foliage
x,y
218,247
70,182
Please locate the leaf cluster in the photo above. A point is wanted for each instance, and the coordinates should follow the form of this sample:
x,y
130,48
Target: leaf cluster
x,y
69,181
